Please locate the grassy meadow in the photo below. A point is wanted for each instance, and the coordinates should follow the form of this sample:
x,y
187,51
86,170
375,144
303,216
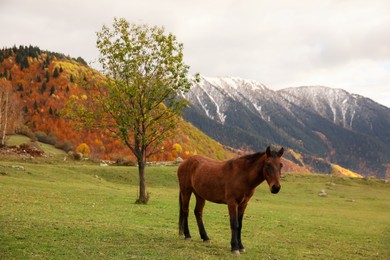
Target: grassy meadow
x,y
69,210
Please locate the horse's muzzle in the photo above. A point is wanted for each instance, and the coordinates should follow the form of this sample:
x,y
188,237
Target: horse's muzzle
x,y
275,189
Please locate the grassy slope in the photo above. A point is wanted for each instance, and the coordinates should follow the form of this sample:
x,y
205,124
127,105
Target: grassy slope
x,y
49,150
84,211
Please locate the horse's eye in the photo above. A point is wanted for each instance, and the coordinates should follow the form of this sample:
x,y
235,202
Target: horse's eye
x,y
281,165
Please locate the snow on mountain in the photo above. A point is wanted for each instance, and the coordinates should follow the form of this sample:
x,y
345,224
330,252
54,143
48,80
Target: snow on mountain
x,y
317,121
336,104
215,94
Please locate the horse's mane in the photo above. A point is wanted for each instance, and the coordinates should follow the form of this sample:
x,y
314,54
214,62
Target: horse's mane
x,y
252,157
255,156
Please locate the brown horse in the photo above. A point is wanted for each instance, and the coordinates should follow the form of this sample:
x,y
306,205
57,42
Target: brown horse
x,y
231,182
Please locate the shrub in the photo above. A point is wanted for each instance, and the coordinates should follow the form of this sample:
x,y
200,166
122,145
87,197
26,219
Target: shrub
x,y
26,131
47,139
123,162
66,146
84,149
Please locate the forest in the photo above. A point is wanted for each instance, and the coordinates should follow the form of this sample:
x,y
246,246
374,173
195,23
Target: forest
x,y
41,82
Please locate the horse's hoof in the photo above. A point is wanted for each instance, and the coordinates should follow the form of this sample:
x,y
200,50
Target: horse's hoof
x,y
208,241
236,252
187,239
242,250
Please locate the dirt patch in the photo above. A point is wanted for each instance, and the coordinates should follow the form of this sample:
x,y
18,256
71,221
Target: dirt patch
x,y
22,150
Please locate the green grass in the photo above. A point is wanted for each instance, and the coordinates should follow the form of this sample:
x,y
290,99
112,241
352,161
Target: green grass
x,y
17,140
68,211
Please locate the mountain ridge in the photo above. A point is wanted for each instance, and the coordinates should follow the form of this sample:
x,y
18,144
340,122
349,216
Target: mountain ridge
x,y
320,122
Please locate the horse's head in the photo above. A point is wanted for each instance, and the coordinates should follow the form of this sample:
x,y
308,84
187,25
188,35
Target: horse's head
x,y
272,168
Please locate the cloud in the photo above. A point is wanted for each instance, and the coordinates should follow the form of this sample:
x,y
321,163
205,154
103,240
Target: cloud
x,y
281,43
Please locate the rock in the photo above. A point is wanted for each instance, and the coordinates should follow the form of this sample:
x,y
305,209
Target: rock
x,y
322,193
76,156
18,167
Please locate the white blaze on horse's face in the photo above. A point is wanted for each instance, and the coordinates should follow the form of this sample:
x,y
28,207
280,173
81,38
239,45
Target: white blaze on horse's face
x,y
272,169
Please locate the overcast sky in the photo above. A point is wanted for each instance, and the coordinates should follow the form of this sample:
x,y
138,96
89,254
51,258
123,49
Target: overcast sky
x,y
280,43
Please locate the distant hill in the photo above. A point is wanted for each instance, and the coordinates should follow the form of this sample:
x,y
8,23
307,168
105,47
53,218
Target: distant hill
x,y
43,81
322,127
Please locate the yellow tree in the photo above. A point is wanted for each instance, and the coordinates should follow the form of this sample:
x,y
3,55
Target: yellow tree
x,y
84,149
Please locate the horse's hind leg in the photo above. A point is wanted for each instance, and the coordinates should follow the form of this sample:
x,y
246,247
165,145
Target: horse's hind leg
x,y
200,202
183,217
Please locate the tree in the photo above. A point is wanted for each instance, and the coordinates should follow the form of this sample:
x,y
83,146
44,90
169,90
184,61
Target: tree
x,y
9,116
56,73
84,149
139,101
20,87
43,88
47,61
24,63
52,90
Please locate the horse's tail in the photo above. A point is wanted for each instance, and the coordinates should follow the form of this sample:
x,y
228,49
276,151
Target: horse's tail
x,y
181,216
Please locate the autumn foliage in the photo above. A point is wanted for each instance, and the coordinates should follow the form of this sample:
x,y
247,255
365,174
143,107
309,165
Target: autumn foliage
x,y
42,82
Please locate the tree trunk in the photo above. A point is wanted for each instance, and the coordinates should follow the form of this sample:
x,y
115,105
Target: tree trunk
x,y
1,113
5,121
142,196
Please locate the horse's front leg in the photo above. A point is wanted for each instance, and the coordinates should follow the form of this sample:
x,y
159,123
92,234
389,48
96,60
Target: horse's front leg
x,y
234,226
241,210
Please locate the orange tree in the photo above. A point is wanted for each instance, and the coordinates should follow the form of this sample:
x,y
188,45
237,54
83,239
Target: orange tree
x,y
139,100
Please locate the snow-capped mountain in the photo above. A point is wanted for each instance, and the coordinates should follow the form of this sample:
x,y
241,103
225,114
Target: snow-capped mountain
x,y
319,122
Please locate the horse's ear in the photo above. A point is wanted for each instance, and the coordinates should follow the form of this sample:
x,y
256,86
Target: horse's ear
x,y
281,151
268,151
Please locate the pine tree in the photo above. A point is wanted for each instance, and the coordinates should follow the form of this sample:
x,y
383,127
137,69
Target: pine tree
x,y
47,76
20,87
24,63
56,73
43,88
52,90
47,62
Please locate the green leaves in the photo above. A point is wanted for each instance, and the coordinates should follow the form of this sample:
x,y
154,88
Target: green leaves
x,y
145,73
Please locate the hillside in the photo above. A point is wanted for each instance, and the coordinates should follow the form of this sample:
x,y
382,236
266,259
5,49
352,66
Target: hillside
x,y
42,83
322,127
